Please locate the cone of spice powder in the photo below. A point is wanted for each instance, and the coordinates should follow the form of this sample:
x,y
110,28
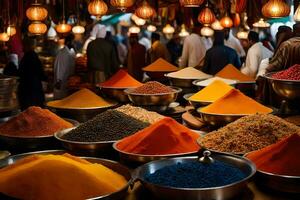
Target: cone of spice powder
x,y
189,73
231,72
160,65
161,138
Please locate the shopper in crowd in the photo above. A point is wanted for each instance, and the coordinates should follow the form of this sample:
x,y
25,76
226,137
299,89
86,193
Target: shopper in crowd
x,y
256,53
64,67
136,59
288,54
219,56
122,51
31,75
102,58
92,37
175,48
267,41
145,40
194,50
158,49
11,68
233,43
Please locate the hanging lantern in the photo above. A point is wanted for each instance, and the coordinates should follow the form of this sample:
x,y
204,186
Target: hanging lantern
x,y
276,9
236,20
191,3
183,31
63,27
78,29
140,21
36,12
122,4
297,14
97,8
151,28
217,26
134,29
4,37
226,22
207,31
11,30
206,16
242,35
168,29
37,28
261,24
145,11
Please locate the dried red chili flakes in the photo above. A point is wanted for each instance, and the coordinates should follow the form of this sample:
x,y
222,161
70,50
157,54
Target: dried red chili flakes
x,y
292,73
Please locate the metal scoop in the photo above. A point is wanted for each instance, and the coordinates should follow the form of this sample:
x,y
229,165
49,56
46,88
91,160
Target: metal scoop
x,y
206,158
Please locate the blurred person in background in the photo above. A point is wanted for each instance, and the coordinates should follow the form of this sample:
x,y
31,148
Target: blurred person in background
x,y
11,68
158,49
175,48
234,43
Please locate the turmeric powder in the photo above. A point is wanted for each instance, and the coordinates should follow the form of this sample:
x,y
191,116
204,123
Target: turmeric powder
x,y
212,92
83,98
235,102
58,177
231,72
160,65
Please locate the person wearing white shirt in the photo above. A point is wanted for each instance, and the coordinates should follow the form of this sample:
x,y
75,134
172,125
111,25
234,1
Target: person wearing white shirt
x,y
256,53
233,43
194,50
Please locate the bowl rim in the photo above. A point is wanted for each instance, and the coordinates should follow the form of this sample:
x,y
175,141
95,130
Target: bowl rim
x,y
113,103
145,155
249,162
65,131
229,115
232,84
187,96
191,78
268,76
176,90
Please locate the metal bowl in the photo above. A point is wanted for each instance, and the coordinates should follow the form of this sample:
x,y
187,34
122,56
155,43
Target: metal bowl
x,y
163,99
195,104
26,143
115,166
223,192
289,89
157,75
140,158
83,148
80,114
115,93
180,82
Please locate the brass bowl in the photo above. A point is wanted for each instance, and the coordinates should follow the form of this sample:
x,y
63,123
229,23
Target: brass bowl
x,y
163,99
115,93
115,166
288,89
180,82
195,104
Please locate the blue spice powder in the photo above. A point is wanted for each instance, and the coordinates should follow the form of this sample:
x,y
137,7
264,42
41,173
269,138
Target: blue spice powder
x,y
196,175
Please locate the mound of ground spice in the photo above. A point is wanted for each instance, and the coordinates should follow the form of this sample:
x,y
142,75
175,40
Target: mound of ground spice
x,y
152,87
279,158
249,133
34,121
189,73
231,72
161,138
110,125
121,80
160,65
292,73
55,177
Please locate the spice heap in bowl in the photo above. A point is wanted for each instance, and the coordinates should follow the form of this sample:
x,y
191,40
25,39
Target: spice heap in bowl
x,y
159,68
248,134
231,72
292,73
114,87
164,138
60,177
278,166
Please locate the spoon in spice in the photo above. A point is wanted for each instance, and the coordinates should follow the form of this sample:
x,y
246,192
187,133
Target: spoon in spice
x,y
206,159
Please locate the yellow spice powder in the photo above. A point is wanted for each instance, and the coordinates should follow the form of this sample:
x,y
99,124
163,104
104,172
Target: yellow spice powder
x,y
58,177
212,92
83,98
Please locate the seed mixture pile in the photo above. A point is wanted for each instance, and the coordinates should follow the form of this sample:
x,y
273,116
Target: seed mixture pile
x,y
152,87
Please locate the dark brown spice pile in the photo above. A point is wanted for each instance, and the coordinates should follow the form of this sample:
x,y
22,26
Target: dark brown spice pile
x,y
152,87
110,125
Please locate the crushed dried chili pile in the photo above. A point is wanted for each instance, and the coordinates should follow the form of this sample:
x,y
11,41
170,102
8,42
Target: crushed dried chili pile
x,y
292,73
152,87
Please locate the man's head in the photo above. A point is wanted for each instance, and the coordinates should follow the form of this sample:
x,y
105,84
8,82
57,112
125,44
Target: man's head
x,y
253,37
219,38
155,37
99,31
226,33
296,30
28,44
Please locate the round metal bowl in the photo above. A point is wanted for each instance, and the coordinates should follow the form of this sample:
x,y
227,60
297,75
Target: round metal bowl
x,y
157,75
223,192
16,143
83,148
289,89
195,104
141,159
163,99
80,114
115,166
115,93
200,86
181,82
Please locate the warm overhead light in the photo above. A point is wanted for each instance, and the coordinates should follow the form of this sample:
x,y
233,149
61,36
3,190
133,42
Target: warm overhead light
x,y
242,35
4,37
78,29
226,22
36,12
206,16
37,28
261,24
63,27
140,21
151,28
122,4
183,31
97,8
236,19
207,31
11,30
217,26
145,11
168,29
191,3
134,29
297,14
276,9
